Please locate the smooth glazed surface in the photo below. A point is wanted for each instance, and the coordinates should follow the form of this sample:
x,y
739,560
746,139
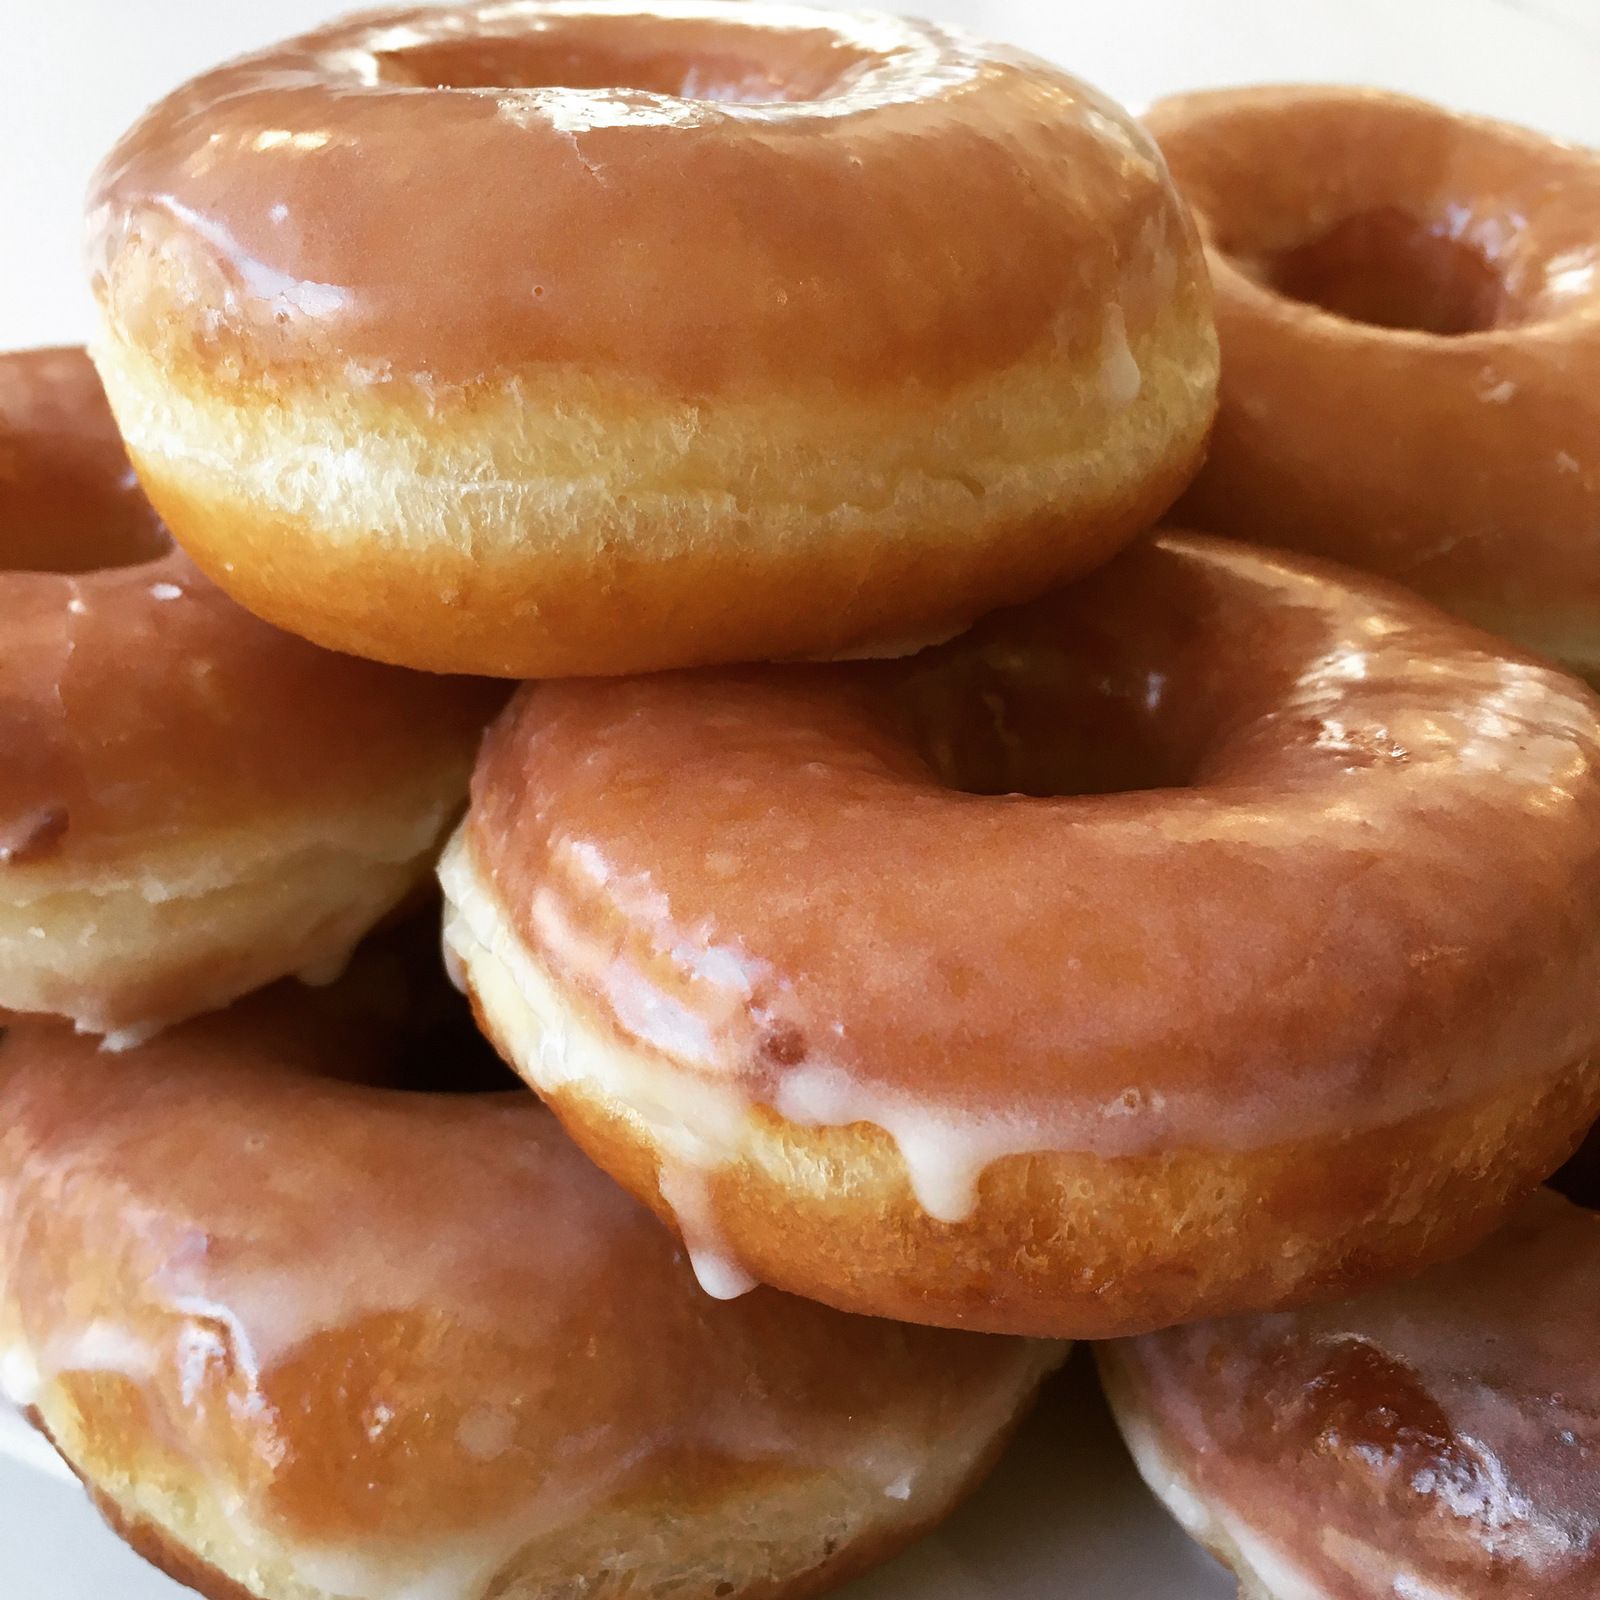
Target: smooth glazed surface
x,y
1441,1439
733,330
1176,875
1409,310
694,167
191,802
305,1336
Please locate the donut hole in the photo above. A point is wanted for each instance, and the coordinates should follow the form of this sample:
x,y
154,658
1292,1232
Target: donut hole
x,y
1389,269
671,60
1039,726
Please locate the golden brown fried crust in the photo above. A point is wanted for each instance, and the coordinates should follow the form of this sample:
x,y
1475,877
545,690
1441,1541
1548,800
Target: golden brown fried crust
x,y
1077,1247
508,603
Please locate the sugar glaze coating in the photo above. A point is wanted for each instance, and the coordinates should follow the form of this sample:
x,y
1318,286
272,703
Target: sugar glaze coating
x,y
315,1335
1183,862
1439,1439
192,803
1408,301
733,331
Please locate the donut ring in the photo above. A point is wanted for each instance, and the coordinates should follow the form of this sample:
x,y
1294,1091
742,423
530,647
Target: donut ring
x,y
306,1339
735,331
1410,320
1128,960
1442,1438
192,804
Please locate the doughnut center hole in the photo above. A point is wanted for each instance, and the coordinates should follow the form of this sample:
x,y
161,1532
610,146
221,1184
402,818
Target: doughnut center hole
x,y
58,521
626,55
1013,723
1388,269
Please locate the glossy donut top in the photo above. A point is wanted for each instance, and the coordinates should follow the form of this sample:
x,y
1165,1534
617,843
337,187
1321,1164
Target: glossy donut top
x,y
391,1336
1408,302
1441,1438
1392,214
139,703
706,196
1195,851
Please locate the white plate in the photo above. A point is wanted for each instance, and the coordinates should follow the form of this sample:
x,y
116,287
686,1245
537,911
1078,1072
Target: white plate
x,y
1063,1518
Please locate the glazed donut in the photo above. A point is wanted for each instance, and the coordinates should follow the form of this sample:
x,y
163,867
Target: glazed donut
x,y
1131,959
306,1338
1410,320
574,337
1440,1440
192,804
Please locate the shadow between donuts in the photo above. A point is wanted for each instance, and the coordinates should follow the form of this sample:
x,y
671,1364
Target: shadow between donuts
x,y
1125,962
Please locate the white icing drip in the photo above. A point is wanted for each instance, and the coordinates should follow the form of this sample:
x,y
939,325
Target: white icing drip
x,y
101,1346
699,1123
1120,377
20,1379
945,1152
720,1273
118,1040
694,1122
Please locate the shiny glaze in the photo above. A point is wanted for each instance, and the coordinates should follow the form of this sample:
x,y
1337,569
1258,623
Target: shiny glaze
x,y
1190,853
1408,303
704,196
393,1335
1439,1439
137,702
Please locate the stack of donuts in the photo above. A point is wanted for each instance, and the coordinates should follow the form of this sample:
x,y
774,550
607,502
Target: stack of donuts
x,y
686,479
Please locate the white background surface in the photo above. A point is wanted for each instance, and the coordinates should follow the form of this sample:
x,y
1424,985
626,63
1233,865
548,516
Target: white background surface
x,y
1065,1519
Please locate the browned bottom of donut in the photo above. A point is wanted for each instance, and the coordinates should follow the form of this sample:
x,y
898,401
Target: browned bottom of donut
x,y
1081,1246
